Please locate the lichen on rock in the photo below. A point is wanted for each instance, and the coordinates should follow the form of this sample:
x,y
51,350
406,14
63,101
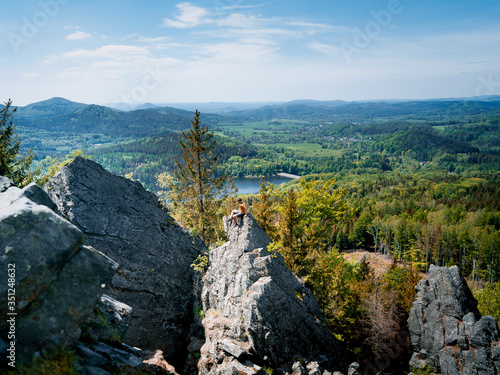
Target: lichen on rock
x,y
448,334
126,222
54,281
253,316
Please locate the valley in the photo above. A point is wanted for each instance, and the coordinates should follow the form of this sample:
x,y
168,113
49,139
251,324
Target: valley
x,y
387,191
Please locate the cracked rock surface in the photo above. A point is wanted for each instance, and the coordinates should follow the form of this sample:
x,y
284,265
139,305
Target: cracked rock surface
x,y
447,331
257,312
126,222
47,291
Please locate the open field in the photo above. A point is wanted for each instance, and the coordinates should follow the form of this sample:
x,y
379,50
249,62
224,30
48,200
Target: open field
x,y
309,149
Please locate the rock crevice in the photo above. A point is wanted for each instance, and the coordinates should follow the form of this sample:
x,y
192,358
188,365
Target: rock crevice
x,y
447,331
256,310
56,282
126,222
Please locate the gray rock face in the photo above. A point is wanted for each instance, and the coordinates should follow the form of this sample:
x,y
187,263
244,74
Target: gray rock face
x,y
5,184
55,281
29,194
57,312
37,241
246,237
447,331
119,314
256,309
127,223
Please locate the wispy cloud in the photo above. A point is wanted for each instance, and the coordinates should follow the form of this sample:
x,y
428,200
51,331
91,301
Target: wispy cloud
x,y
321,27
238,52
239,7
241,20
78,35
243,50
31,75
130,36
109,51
159,39
325,49
190,16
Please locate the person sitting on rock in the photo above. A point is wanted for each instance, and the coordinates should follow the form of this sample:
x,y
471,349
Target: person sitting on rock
x,y
235,214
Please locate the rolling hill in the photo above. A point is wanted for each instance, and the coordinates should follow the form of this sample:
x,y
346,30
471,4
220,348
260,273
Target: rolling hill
x,y
57,116
48,109
338,110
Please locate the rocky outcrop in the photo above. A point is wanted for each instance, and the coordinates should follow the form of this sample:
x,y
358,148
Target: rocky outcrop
x,y
447,331
127,223
256,311
50,281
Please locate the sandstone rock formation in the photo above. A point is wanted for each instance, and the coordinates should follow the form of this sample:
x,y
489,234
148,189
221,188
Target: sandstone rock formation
x,y
50,281
127,223
447,331
257,312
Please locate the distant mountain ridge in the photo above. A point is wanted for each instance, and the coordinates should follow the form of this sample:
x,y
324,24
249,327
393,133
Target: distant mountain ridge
x,y
49,108
308,110
59,114
58,106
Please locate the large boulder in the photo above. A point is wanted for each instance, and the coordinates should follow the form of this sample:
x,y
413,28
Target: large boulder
x,y
36,241
256,310
447,331
51,283
126,222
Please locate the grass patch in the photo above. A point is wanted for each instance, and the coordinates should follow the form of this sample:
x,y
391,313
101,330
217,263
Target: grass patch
x,y
58,362
309,149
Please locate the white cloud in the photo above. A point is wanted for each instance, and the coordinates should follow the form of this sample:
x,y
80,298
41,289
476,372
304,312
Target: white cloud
x,y
30,75
78,35
237,7
130,36
238,53
190,16
143,39
324,48
240,20
317,27
110,63
118,52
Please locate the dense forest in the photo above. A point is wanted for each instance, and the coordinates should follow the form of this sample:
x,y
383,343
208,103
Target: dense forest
x,y
409,184
421,177
406,221
412,192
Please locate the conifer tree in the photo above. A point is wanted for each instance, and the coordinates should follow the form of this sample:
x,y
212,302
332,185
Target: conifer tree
x,y
11,165
196,192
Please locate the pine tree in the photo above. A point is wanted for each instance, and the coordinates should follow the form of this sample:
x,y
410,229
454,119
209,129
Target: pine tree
x,y
11,165
196,193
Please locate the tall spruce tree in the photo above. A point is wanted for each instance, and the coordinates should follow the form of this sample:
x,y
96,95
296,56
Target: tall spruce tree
x,y
196,192
11,165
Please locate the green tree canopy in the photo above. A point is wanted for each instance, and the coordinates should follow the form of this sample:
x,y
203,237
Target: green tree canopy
x,y
11,164
196,192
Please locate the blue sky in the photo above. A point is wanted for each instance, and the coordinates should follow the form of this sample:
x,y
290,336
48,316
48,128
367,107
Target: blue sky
x,y
239,50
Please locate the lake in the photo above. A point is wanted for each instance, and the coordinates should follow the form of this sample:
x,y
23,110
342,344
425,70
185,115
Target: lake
x,y
251,185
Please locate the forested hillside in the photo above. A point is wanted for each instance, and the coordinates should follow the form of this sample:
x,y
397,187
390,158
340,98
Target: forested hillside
x,y
412,184
421,176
